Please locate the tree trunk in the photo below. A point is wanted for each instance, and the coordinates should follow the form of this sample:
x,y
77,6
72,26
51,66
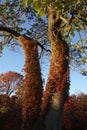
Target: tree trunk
x,y
56,92
33,83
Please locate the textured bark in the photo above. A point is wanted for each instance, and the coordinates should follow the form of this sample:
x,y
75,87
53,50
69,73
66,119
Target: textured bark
x,y
56,92
33,83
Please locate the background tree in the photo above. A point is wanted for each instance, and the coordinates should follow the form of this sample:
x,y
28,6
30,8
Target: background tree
x,y
10,113
10,82
75,113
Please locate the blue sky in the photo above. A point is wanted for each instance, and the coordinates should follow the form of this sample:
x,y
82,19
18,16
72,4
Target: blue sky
x,y
12,61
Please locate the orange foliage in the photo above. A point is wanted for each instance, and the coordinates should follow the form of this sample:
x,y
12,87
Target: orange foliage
x,y
58,80
75,113
10,113
10,82
33,82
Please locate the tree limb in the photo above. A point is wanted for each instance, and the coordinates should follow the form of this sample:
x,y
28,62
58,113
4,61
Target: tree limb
x,y
9,30
64,20
82,19
16,35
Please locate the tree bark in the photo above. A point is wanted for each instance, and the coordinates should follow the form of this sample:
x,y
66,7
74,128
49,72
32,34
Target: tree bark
x,y
33,83
57,87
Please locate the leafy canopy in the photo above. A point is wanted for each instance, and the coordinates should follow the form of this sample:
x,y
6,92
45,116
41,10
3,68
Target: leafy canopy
x,y
21,16
22,20
73,13
73,28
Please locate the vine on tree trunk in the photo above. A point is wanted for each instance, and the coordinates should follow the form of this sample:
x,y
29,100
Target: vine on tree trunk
x,y
33,83
57,86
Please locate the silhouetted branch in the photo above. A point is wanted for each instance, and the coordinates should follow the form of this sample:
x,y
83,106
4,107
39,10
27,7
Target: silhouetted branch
x,y
9,30
16,35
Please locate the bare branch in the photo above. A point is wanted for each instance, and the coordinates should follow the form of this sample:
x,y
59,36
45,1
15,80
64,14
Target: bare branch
x,y
85,21
42,47
9,30
16,35
64,20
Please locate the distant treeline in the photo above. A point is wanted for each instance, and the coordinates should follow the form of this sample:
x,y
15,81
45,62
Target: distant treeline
x,y
75,113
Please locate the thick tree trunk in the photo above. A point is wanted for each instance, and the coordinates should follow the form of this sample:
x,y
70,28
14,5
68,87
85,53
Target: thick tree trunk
x,y
56,92
33,83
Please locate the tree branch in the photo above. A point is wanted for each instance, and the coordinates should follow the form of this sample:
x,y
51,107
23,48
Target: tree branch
x,y
9,30
64,20
16,35
42,47
82,19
